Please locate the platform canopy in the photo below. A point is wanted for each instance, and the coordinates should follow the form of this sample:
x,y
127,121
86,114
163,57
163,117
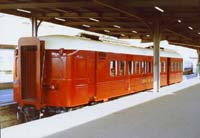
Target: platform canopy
x,y
179,19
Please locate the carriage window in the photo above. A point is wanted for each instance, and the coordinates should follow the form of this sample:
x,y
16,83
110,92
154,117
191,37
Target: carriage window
x,y
150,67
177,66
181,66
122,68
130,68
163,67
172,67
143,67
147,67
137,67
113,68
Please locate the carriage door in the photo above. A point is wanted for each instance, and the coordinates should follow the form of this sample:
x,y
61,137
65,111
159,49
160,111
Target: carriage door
x,y
168,70
84,77
30,71
130,70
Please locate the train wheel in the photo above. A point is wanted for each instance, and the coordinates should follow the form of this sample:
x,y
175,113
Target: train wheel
x,y
20,116
30,113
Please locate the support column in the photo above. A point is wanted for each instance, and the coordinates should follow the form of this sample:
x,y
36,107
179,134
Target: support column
x,y
35,26
156,56
198,63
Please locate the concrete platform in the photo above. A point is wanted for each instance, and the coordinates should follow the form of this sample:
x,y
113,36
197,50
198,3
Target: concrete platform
x,y
170,116
174,113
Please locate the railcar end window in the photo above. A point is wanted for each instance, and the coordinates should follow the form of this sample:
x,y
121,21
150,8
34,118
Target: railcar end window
x,y
122,68
113,68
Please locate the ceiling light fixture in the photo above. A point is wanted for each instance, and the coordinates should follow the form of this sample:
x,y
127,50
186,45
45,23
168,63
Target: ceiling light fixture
x,y
107,31
22,10
85,25
147,35
190,27
116,26
179,21
134,31
93,19
122,34
159,9
59,19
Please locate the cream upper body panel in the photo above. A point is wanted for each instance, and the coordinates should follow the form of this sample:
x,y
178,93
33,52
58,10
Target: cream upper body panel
x,y
53,42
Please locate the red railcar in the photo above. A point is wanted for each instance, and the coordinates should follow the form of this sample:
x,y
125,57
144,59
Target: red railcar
x,y
61,72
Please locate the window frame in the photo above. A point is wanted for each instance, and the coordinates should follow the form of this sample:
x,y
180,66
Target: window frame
x,y
115,65
122,68
131,70
137,67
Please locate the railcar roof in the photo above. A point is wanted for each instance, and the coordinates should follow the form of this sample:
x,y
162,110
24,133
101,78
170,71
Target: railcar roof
x,y
78,43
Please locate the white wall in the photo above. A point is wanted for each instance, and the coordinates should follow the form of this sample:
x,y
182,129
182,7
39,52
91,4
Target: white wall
x,y
14,27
